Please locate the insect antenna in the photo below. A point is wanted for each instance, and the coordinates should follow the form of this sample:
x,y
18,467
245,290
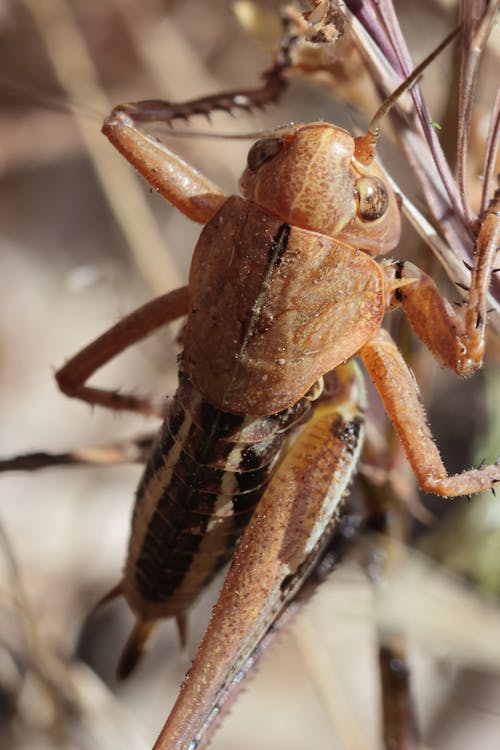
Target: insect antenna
x,y
51,100
365,145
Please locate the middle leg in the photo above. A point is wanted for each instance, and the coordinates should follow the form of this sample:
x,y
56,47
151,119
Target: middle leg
x,y
133,328
131,451
399,392
457,342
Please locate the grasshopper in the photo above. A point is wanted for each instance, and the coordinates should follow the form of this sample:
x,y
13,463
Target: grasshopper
x,y
284,290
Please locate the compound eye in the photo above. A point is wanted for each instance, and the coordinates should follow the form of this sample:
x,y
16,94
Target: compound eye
x,y
262,151
372,197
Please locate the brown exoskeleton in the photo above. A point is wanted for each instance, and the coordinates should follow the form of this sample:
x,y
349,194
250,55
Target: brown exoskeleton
x,y
283,289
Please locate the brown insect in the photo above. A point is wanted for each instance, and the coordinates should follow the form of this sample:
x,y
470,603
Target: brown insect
x,y
283,290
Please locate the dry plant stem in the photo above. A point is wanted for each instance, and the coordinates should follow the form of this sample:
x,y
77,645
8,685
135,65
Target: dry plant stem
x,y
320,668
477,19
134,327
387,15
367,15
416,152
446,206
82,705
400,731
450,224
27,617
20,148
492,146
75,70
42,660
451,228
387,518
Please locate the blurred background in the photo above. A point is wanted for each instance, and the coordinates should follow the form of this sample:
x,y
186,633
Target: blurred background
x,y
79,248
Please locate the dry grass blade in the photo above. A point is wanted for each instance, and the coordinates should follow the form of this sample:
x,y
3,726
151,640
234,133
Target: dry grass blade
x,y
79,78
52,696
460,618
448,202
386,21
477,19
391,22
491,153
322,673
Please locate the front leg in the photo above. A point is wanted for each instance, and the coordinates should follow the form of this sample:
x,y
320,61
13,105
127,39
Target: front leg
x,y
456,342
133,328
181,184
399,392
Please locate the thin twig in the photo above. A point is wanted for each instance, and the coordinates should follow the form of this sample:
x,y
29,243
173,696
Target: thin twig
x,y
477,23
490,156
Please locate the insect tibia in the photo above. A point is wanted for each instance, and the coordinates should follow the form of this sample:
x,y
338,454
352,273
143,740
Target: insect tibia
x,y
274,83
158,110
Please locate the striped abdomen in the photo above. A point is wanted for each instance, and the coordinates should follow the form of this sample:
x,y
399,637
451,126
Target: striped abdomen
x,y
207,471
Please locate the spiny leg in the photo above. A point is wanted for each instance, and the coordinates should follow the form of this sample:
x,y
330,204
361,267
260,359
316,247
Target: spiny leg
x,y
132,451
274,82
180,183
458,342
399,392
133,328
